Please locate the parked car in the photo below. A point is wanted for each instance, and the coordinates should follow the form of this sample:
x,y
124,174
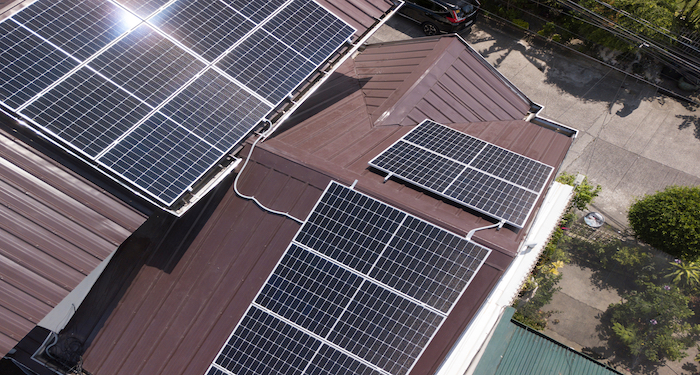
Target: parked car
x,y
438,16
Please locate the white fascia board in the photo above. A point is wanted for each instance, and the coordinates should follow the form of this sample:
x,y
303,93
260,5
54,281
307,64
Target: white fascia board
x,y
464,355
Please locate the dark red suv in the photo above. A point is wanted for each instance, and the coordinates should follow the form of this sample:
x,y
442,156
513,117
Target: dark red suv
x,y
438,16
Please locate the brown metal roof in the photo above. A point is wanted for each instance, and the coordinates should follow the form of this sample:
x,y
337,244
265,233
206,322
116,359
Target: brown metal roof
x,y
186,298
56,228
438,78
336,132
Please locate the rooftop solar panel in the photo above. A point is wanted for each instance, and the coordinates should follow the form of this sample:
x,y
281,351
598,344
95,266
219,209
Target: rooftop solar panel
x,y
207,27
148,65
367,282
467,170
143,8
131,85
87,111
79,27
28,64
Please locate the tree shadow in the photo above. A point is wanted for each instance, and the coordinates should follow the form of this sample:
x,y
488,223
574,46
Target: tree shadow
x,y
690,121
571,73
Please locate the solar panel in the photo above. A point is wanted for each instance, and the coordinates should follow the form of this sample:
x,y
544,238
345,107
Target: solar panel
x,y
79,27
209,28
147,65
28,64
87,111
363,285
286,50
467,170
154,92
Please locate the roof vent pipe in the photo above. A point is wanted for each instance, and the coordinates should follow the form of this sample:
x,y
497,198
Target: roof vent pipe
x,y
471,232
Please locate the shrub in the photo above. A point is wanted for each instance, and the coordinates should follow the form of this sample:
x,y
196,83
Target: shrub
x,y
669,221
521,23
584,193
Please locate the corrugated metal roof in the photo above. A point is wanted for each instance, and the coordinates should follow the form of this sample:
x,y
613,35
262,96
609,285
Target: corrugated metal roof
x,y
516,349
334,130
440,78
178,310
56,228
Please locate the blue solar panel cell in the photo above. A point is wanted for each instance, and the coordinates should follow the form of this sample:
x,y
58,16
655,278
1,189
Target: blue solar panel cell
x,y
308,290
28,64
512,167
329,361
267,66
87,111
143,8
263,344
222,120
445,141
412,163
208,28
300,26
493,196
385,329
148,65
429,263
79,27
354,238
162,157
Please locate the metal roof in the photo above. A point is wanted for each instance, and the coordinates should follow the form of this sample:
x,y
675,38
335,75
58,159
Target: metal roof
x,y
180,303
517,349
55,228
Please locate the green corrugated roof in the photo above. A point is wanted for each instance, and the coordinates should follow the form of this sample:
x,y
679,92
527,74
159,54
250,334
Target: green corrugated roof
x,y
516,349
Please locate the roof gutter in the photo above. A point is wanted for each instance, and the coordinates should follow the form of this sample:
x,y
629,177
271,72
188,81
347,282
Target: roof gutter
x,y
327,73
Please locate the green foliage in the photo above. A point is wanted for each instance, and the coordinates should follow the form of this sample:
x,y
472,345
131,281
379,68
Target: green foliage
x,y
530,312
632,258
583,193
653,323
685,273
660,12
669,221
521,23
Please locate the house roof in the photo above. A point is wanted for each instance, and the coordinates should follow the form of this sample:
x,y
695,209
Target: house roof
x,y
516,348
335,130
187,296
56,228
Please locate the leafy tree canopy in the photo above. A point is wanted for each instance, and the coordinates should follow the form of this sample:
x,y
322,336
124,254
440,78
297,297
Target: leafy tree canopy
x,y
653,323
669,221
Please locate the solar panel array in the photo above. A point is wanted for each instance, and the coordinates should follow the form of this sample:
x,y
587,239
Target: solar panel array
x,y
362,289
156,92
467,170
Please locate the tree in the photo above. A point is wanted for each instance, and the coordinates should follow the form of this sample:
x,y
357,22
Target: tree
x,y
669,221
653,323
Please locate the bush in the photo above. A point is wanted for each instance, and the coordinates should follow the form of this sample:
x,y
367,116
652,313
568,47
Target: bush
x,y
521,23
669,221
653,323
584,193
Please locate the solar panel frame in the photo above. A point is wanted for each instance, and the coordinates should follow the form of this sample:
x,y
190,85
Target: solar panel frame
x,y
352,321
457,189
